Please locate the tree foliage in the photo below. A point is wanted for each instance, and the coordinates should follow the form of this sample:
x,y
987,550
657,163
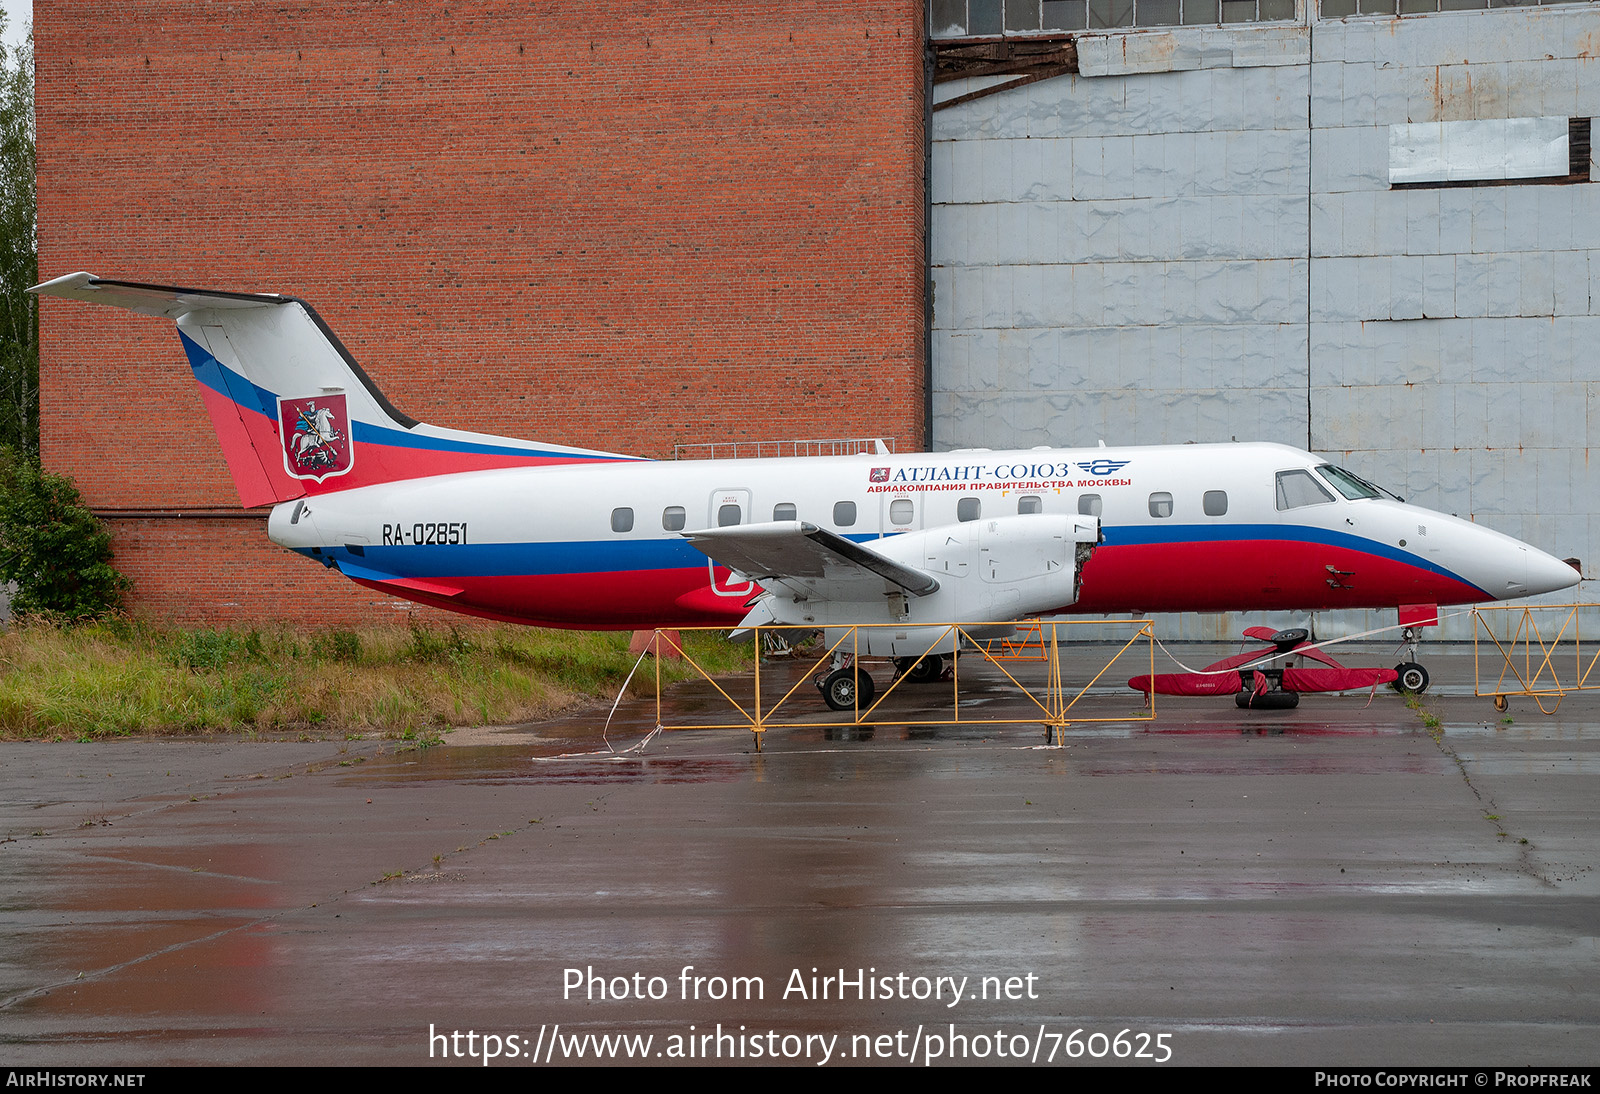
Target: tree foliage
x,y
19,255
56,551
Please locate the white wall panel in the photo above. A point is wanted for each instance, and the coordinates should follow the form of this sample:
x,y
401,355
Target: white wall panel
x,y
1198,254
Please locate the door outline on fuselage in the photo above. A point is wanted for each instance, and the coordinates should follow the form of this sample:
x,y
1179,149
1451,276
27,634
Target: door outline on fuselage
x,y
886,527
719,498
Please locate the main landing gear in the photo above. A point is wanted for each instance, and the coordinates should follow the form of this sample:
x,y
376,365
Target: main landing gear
x,y
920,670
1413,678
845,688
849,687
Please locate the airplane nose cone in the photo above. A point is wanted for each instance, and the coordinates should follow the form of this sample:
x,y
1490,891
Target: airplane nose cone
x,y
1547,574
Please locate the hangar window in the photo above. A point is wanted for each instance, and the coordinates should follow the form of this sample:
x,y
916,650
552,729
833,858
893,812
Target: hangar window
x,y
1029,504
1215,503
1338,9
1488,152
844,514
1298,488
785,510
901,510
1089,505
1161,504
983,18
622,520
728,515
969,509
672,518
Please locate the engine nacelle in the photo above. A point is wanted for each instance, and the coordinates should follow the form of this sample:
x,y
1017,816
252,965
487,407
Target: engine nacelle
x,y
991,571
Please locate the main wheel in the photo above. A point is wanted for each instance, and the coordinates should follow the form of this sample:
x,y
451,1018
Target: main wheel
x,y
844,689
1413,678
926,670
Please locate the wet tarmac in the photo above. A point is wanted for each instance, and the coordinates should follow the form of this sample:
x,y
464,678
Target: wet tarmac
x,y
1343,883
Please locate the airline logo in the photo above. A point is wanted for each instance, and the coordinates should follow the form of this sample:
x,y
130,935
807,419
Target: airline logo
x,y
1044,475
316,437
1104,467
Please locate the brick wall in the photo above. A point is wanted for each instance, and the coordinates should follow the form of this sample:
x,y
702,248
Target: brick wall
x,y
611,225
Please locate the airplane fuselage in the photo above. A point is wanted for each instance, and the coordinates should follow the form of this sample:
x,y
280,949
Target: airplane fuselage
x,y
1232,527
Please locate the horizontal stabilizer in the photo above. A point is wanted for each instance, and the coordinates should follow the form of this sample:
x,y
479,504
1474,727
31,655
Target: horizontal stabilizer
x,y
162,300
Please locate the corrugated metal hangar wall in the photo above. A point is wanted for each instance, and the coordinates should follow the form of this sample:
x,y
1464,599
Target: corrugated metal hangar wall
x,y
1259,232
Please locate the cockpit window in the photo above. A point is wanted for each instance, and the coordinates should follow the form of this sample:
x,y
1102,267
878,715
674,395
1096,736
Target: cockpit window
x,y
1351,486
1298,488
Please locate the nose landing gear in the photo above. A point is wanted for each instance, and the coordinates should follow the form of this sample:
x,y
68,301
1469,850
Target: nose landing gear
x,y
1412,678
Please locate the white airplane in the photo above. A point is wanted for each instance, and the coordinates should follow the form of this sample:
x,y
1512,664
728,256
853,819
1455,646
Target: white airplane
x,y
567,537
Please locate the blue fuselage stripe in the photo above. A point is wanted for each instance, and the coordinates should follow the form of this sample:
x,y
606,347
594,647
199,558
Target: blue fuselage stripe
x,y
605,556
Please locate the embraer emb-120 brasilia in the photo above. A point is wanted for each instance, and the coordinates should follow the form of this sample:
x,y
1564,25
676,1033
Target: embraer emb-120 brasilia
x,y
567,537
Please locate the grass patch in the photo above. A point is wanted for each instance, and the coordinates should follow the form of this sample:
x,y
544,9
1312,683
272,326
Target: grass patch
x,y
121,678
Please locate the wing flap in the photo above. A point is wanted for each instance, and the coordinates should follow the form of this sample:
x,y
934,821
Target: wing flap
x,y
802,555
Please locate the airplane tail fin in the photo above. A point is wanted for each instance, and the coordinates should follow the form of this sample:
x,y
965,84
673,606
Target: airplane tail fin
x,y
294,413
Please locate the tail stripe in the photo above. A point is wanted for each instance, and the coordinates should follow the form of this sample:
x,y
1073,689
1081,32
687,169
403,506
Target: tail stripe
x,y
241,430
377,434
238,342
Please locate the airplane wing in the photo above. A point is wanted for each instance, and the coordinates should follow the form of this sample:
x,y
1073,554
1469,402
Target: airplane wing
x,y
810,560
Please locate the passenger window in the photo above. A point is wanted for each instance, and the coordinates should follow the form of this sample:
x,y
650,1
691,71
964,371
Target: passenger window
x,y
969,509
672,518
1298,488
1215,503
784,510
1089,505
1029,505
1161,504
844,514
622,520
728,515
901,511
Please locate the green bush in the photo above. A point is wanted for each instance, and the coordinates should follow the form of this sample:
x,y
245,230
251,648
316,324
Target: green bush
x,y
56,551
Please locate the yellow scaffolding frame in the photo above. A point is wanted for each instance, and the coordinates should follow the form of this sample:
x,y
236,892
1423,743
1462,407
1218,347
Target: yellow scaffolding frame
x,y
1528,658
1054,709
1027,644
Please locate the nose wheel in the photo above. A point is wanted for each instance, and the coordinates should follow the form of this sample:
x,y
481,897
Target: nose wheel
x,y
1413,678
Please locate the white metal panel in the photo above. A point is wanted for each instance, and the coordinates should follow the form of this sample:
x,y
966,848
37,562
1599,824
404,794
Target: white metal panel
x,y
1492,148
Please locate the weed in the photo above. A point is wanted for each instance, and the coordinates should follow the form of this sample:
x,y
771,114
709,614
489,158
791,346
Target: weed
x,y
431,647
201,651
119,677
341,646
